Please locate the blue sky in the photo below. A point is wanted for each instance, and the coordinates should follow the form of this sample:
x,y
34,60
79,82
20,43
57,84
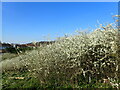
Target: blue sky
x,y
24,22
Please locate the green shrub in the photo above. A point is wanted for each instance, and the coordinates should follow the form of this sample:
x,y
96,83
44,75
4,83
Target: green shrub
x,y
11,50
18,50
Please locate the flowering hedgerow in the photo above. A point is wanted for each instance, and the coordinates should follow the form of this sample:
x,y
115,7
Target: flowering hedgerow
x,y
76,59
85,56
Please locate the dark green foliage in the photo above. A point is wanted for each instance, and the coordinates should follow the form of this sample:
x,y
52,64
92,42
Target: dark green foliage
x,y
18,50
11,50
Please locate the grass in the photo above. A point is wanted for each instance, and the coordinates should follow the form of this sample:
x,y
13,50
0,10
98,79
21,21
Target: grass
x,y
27,82
30,81
8,56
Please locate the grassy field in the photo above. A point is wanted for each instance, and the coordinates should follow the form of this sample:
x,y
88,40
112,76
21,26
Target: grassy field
x,y
8,56
84,60
26,80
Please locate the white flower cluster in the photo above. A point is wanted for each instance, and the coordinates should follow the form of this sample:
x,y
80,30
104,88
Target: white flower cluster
x,y
94,54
